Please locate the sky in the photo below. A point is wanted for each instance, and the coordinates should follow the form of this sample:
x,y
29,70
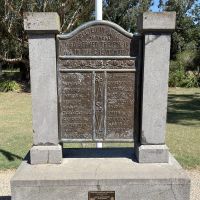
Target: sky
x,y
155,6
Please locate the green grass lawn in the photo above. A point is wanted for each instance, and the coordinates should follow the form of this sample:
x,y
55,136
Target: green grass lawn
x,y
183,129
15,128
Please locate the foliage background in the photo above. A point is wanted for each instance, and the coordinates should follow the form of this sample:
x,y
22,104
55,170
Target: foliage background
x,y
185,52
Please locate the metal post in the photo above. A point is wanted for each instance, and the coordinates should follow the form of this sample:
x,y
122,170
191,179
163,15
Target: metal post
x,y
98,9
98,16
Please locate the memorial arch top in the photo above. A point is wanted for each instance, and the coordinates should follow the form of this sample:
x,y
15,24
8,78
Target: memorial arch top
x,y
97,87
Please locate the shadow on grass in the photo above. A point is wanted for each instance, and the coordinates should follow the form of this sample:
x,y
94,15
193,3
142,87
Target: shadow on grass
x,y
184,109
5,197
10,156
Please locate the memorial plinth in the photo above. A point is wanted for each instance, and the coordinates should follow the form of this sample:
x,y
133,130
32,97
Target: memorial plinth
x,y
75,177
100,83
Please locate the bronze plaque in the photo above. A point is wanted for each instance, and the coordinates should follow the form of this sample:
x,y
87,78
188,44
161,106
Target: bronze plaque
x,y
98,40
75,105
97,64
120,105
96,84
101,195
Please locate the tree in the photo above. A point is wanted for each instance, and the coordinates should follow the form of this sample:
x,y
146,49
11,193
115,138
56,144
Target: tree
x,y
187,15
125,12
185,41
13,40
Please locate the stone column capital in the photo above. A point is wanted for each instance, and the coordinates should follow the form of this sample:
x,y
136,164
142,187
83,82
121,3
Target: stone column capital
x,y
41,22
157,22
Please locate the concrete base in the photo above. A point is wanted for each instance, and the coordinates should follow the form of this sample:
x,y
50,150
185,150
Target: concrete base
x,y
152,154
46,155
75,177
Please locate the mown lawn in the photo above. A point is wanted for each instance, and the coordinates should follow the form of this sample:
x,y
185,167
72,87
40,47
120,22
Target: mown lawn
x,y
15,128
183,129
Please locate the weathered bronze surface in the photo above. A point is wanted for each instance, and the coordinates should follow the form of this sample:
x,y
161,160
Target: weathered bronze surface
x,y
97,64
75,104
120,102
99,40
96,83
101,195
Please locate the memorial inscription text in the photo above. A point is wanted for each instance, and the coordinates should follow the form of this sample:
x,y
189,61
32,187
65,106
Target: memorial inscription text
x,y
96,41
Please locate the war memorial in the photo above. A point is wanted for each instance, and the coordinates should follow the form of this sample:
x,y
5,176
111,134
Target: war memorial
x,y
99,83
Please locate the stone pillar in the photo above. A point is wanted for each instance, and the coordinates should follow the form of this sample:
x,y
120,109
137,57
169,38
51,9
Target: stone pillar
x,y
42,29
156,29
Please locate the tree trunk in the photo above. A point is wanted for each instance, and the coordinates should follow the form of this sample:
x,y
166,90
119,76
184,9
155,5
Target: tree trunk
x,y
24,72
1,69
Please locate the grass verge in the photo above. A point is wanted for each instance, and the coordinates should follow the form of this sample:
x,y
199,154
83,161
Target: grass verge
x,y
183,128
15,128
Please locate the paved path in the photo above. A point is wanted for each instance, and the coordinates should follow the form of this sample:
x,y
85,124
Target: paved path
x,y
6,175
195,187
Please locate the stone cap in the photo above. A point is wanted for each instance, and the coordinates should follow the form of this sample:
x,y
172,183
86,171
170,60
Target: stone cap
x,y
157,22
41,22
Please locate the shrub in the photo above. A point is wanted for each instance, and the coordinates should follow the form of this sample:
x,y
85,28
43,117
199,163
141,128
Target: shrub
x,y
178,77
9,85
183,71
176,74
192,80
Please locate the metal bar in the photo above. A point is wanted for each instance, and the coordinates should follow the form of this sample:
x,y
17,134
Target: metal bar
x,y
105,104
94,106
97,70
97,140
84,26
96,57
98,9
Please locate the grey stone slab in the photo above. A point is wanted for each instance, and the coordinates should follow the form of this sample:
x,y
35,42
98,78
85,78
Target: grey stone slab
x,y
55,155
159,22
38,155
46,154
42,54
152,154
155,88
41,22
128,192
75,177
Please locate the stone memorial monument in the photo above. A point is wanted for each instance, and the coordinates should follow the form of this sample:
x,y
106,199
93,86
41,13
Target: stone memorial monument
x,y
99,83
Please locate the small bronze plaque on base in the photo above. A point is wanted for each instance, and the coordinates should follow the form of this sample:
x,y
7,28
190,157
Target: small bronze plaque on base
x,y
101,195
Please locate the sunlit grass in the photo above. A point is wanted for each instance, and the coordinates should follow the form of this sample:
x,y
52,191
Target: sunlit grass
x,y
183,128
15,128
